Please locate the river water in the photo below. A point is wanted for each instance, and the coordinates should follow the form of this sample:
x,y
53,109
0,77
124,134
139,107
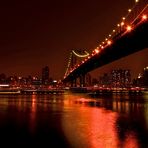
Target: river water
x,y
74,121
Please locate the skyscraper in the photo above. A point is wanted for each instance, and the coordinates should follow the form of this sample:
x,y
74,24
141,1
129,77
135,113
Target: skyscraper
x,y
120,78
45,75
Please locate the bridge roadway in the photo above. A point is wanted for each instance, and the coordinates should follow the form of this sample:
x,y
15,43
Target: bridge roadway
x,y
124,44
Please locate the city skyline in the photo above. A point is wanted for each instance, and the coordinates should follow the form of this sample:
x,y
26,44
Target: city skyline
x,y
135,62
35,34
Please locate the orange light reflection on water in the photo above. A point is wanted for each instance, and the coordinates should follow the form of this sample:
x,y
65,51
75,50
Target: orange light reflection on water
x,y
33,113
93,127
131,141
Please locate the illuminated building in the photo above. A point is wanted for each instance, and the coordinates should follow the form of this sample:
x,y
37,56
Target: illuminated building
x,y
142,79
105,79
120,78
145,76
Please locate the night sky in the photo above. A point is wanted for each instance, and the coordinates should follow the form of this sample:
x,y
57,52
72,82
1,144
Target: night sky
x,y
35,33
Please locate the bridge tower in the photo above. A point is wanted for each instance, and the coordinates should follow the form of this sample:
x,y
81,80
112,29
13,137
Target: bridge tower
x,y
76,56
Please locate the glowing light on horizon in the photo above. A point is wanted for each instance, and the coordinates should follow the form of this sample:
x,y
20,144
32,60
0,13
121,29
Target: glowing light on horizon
x,y
4,85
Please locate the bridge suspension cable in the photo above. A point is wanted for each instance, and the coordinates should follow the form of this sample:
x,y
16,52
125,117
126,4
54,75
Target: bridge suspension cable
x,y
80,56
68,66
86,54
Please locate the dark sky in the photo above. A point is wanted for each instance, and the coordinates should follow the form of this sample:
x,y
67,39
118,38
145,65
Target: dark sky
x,y
35,33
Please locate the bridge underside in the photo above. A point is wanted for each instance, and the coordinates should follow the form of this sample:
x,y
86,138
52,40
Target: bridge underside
x,y
124,45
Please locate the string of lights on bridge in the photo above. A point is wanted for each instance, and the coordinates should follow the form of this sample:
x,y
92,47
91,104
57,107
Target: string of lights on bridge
x,y
123,27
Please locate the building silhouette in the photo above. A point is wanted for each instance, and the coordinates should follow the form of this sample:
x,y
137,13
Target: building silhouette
x,y
142,79
45,75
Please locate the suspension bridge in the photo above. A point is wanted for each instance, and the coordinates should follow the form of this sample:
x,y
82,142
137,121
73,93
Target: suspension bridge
x,y
129,36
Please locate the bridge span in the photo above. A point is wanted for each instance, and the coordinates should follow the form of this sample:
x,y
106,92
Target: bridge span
x,y
130,39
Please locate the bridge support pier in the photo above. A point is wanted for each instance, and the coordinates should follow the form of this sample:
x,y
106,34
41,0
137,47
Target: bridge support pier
x,y
82,80
74,83
71,83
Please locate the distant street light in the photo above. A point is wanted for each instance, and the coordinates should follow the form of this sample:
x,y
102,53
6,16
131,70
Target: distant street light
x,y
136,1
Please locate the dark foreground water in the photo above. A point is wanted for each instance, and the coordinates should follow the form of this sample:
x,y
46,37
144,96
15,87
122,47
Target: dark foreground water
x,y
74,121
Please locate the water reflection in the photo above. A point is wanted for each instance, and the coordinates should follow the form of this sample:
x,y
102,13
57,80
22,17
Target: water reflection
x,y
125,127
32,121
90,128
75,120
